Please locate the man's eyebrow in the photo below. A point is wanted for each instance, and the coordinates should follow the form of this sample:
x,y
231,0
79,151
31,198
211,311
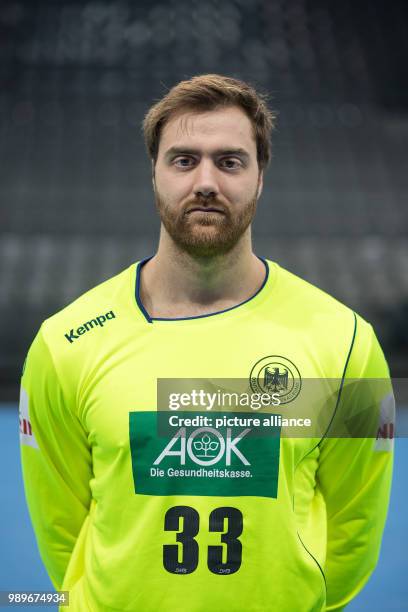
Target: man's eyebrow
x,y
191,151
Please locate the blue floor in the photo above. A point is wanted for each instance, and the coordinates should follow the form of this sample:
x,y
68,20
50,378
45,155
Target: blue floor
x,y
21,567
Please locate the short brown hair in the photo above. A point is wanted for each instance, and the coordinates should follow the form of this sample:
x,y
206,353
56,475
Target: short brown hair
x,y
207,92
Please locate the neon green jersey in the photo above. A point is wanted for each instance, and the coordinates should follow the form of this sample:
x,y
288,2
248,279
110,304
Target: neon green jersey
x,y
129,519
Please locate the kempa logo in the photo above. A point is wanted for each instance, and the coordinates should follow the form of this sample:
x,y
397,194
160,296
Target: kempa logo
x,y
98,321
206,449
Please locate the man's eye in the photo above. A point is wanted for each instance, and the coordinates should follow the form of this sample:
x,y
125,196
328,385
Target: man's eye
x,y
183,162
230,163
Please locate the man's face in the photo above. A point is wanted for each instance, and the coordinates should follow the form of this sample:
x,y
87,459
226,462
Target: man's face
x,y
207,179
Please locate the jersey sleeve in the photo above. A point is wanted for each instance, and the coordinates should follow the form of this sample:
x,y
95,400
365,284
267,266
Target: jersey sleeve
x,y
354,473
55,458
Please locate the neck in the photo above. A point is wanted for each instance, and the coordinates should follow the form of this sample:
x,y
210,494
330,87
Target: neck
x,y
175,284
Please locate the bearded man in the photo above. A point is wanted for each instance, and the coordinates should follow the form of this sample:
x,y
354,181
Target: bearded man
x,y
136,510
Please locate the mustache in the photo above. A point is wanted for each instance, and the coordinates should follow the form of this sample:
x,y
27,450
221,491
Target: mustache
x,y
205,203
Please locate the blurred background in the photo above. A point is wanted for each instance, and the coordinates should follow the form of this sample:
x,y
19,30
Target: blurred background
x,y
76,205
76,200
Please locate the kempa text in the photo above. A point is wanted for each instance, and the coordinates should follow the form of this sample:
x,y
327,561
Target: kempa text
x,y
98,321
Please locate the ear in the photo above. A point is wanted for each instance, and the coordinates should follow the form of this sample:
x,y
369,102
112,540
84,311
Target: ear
x,y
260,185
153,179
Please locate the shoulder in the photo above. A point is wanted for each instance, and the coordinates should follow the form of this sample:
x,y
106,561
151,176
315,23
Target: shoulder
x,y
316,311
92,309
310,303
299,289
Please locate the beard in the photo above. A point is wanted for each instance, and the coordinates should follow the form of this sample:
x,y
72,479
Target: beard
x,y
205,235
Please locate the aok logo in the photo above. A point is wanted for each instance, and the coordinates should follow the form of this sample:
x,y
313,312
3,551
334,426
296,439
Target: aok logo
x,y
204,446
88,325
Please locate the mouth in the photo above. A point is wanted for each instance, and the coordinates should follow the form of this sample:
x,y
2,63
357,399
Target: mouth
x,y
205,210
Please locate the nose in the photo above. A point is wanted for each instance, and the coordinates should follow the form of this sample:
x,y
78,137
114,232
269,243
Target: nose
x,y
205,179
